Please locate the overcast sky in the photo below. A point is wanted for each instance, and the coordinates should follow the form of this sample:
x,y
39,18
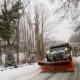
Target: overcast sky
x,y
63,31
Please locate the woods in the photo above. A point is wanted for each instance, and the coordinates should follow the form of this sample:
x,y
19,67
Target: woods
x,y
39,39
24,30
25,27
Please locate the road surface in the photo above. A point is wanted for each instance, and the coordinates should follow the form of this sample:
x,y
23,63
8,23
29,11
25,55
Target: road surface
x,y
33,72
59,75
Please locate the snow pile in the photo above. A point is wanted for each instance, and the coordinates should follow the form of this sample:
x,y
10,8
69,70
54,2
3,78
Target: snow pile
x,y
77,59
19,73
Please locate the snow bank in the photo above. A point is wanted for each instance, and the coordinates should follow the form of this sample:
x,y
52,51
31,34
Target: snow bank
x,y
77,58
19,73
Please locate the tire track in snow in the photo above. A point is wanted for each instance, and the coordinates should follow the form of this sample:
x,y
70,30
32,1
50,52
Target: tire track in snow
x,y
60,76
26,75
29,76
76,74
73,75
48,77
42,76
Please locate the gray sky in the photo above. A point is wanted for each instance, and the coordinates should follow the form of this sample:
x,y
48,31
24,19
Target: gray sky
x,y
63,31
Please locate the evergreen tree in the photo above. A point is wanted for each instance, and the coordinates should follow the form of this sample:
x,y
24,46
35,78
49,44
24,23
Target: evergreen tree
x,y
8,25
10,59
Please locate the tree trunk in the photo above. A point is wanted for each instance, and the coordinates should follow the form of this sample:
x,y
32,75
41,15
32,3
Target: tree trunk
x,y
17,45
17,41
37,40
0,56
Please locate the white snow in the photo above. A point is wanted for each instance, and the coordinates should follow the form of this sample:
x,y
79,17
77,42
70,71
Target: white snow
x,y
77,59
60,76
33,72
20,73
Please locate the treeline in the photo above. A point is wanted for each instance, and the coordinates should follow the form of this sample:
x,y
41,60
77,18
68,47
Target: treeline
x,y
23,28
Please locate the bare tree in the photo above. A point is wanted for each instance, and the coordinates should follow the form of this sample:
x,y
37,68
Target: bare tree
x,y
37,35
30,35
24,32
75,38
35,25
27,32
68,8
43,25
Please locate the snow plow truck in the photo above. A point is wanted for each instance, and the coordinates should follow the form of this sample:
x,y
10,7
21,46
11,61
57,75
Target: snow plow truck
x,y
58,58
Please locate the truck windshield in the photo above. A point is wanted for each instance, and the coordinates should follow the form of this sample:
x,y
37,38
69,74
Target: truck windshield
x,y
57,50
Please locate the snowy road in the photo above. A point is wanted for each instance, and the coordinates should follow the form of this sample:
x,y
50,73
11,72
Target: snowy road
x,y
60,75
32,72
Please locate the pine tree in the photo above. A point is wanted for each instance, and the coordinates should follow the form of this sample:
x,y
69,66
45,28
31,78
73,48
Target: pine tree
x,y
8,24
10,59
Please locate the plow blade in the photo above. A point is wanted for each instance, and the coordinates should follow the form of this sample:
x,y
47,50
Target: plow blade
x,y
57,66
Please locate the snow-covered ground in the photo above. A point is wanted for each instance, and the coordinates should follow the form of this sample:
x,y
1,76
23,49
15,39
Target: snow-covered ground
x,y
20,73
77,59
33,72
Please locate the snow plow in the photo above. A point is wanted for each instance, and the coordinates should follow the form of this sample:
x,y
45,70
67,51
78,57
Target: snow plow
x,y
58,58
